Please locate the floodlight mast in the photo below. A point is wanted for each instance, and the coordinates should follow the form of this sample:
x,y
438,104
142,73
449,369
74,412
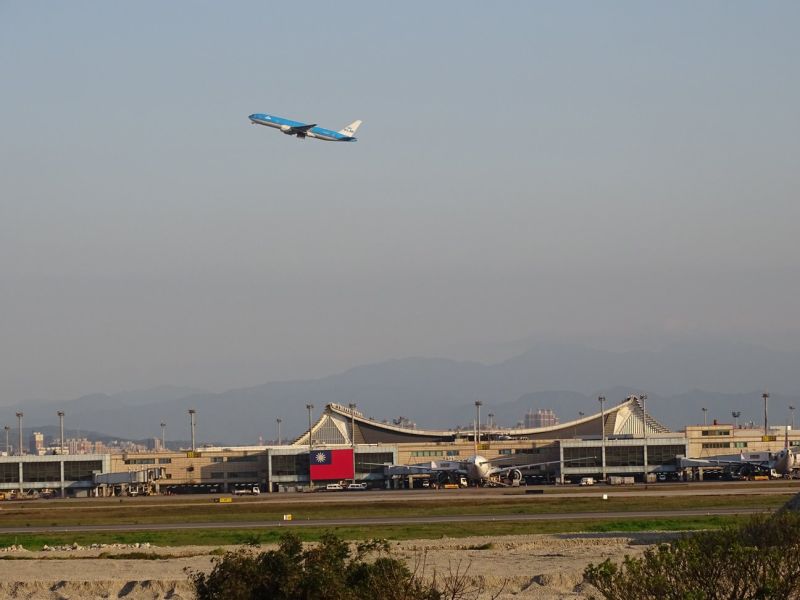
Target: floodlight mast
x,y
309,407
644,428
61,427
192,413
602,400
478,405
352,407
19,430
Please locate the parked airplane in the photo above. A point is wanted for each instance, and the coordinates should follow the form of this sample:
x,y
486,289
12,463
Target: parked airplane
x,y
476,469
783,462
304,130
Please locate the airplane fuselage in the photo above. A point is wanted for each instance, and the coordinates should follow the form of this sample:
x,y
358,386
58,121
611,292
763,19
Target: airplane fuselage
x,y
290,127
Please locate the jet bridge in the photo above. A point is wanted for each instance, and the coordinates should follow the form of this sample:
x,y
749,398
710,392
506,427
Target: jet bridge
x,y
133,482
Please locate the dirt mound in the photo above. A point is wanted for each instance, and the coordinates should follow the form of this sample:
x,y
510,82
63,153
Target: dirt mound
x,y
96,590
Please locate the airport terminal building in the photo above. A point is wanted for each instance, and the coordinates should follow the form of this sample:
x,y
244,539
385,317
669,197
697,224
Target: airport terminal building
x,y
623,440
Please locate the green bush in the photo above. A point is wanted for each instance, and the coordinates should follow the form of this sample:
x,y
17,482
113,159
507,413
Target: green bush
x,y
759,560
329,570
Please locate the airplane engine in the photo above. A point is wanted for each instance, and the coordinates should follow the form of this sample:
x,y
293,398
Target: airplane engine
x,y
515,475
286,129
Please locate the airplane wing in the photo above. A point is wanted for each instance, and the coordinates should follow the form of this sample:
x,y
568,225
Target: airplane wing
x,y
418,469
505,468
301,129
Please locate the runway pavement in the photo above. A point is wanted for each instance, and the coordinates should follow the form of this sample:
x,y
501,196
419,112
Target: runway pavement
x,y
416,520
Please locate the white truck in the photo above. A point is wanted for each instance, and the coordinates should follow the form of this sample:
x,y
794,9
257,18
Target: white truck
x,y
247,491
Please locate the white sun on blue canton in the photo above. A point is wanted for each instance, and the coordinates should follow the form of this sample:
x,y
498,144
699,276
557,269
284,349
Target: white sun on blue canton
x,y
320,457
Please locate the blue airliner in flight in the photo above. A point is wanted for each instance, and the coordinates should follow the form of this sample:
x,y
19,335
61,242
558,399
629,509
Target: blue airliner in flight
x,y
303,130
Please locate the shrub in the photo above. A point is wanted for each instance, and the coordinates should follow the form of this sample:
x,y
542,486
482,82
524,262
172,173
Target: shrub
x,y
757,560
329,570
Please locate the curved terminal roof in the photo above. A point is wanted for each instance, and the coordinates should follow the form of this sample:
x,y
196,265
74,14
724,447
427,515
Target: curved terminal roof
x,y
337,422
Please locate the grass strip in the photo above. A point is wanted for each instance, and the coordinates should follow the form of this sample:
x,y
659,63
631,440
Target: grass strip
x,y
226,537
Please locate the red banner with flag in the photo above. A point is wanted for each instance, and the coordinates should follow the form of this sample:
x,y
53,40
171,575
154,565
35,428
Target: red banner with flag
x,y
331,464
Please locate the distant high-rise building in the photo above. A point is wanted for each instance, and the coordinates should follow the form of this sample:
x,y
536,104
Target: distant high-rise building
x,y
37,443
541,418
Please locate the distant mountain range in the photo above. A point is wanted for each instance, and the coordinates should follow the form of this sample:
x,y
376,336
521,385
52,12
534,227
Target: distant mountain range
x,y
440,393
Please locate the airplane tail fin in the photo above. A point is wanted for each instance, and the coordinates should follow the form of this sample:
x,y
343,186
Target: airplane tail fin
x,y
350,130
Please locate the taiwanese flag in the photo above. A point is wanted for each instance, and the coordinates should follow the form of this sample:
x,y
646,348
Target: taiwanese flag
x,y
331,464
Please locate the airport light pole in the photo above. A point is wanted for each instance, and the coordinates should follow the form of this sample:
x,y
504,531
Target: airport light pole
x,y
192,413
602,401
736,414
19,427
491,421
705,418
478,405
352,407
8,448
163,440
309,407
765,396
644,429
61,427
791,411
279,421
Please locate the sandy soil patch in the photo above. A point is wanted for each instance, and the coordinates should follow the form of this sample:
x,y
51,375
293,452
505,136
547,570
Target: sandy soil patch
x,y
547,567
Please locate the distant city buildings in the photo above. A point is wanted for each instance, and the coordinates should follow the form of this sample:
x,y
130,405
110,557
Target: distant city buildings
x,y
36,446
543,417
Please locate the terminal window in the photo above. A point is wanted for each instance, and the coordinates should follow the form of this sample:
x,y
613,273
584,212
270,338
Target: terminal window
x,y
583,457
245,458
9,472
625,456
75,470
44,471
290,464
372,462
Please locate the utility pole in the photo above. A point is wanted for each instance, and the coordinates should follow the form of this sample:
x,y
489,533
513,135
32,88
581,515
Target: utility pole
x,y
765,396
192,413
310,407
644,427
478,405
279,421
61,426
352,406
602,400
163,440
705,418
19,427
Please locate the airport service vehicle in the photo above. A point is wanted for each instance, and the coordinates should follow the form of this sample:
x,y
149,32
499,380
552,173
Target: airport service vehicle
x,y
304,130
248,491
334,487
587,481
357,486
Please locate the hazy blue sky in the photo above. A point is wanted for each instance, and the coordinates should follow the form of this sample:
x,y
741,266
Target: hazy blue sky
x,y
618,174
